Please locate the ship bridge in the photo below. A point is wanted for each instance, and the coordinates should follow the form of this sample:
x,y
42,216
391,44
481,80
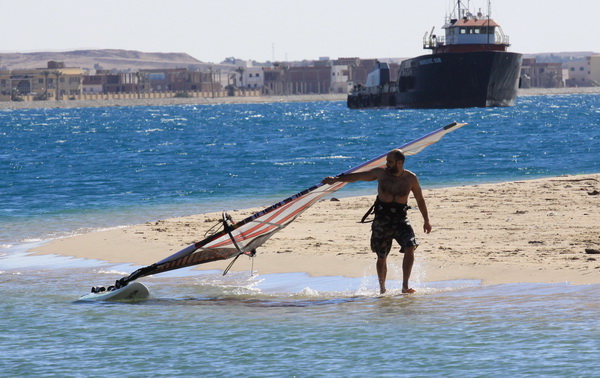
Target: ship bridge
x,y
470,33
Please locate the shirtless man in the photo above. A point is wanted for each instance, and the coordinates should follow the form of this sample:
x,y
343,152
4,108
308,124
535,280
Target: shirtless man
x,y
394,186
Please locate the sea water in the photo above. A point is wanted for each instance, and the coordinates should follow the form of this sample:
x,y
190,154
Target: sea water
x,y
67,171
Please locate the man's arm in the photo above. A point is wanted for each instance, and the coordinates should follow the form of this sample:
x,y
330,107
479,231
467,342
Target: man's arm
x,y
418,193
353,177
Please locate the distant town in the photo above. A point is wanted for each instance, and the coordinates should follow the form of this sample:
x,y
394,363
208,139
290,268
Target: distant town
x,y
233,77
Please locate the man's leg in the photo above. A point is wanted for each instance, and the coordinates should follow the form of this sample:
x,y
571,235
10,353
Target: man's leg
x,y
407,264
381,272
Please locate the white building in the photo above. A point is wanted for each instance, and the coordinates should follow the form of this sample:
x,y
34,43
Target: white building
x,y
340,79
247,76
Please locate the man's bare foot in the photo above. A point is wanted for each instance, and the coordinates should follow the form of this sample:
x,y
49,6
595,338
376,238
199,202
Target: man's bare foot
x,y
409,291
382,290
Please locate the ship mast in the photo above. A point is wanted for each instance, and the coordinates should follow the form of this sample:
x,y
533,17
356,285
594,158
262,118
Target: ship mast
x,y
460,13
489,15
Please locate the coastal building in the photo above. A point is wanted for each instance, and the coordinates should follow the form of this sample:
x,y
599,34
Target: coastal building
x,y
182,80
54,81
93,84
359,69
309,80
541,75
323,76
340,77
248,76
5,85
584,73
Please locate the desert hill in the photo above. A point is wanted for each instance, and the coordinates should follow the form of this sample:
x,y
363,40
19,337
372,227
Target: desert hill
x,y
108,59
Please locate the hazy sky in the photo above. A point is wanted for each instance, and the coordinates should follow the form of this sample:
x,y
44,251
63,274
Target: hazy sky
x,y
211,30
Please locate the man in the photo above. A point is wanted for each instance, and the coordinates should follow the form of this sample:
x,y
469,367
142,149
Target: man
x,y
394,187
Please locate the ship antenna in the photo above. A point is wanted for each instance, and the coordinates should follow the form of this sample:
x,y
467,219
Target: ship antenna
x,y
489,12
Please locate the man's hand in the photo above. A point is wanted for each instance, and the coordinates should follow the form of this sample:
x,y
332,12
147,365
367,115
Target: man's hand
x,y
330,180
427,227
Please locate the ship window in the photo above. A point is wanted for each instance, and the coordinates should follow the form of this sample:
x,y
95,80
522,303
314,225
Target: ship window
x,y
477,31
463,30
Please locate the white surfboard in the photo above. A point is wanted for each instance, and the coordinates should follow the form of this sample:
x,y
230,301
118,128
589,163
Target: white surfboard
x,y
135,291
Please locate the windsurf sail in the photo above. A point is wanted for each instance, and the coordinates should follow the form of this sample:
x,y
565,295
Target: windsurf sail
x,y
248,234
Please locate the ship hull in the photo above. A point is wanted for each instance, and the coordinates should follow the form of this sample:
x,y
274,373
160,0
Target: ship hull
x,y
449,80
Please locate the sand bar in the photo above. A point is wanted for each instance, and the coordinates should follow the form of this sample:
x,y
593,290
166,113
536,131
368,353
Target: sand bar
x,y
542,230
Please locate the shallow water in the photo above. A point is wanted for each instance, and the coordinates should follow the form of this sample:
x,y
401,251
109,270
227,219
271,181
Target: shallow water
x,y
201,323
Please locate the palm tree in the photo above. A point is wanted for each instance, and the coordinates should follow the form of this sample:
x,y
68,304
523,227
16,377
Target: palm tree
x,y
241,71
141,83
46,74
57,74
285,68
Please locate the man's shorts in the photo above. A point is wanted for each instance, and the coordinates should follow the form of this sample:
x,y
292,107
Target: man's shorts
x,y
386,228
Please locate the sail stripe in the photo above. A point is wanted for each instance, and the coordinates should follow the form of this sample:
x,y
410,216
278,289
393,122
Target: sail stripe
x,y
262,228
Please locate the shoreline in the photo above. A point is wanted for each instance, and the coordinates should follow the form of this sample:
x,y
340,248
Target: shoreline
x,y
173,101
62,104
534,231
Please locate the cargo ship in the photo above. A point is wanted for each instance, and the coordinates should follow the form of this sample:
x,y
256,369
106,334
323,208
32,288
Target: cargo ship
x,y
469,66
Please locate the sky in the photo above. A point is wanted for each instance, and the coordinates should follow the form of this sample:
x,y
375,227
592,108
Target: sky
x,y
275,30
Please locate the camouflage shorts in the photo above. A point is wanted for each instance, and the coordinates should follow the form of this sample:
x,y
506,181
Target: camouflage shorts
x,y
387,228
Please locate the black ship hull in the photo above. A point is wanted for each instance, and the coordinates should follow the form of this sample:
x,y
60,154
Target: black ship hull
x,y
448,80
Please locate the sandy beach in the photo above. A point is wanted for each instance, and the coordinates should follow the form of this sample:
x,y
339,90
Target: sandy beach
x,y
241,99
169,101
541,230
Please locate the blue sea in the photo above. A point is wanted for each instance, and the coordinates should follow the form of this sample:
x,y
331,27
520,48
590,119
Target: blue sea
x,y
69,171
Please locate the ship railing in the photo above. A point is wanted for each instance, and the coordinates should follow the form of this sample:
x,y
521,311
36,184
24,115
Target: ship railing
x,y
501,38
431,41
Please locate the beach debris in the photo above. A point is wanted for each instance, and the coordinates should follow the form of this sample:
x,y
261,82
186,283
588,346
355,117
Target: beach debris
x,y
333,199
593,193
592,251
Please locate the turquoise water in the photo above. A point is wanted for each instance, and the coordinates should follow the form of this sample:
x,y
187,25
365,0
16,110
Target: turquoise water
x,y
65,171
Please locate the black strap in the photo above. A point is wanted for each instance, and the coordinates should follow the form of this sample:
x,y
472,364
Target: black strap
x,y
231,264
227,227
372,210
369,212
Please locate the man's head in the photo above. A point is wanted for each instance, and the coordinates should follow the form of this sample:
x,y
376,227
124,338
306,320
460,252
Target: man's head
x,y
395,160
